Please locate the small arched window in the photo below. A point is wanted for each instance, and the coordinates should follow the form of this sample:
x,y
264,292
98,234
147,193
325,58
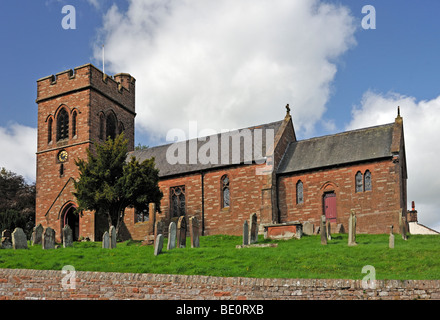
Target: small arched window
x,y
299,192
367,181
62,125
110,130
121,127
49,130
226,199
359,182
74,116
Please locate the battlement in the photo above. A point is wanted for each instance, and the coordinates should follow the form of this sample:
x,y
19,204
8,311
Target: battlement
x,y
120,88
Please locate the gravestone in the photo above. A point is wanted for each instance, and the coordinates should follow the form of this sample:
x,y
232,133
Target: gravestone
x,y
391,241
67,236
37,234
158,244
112,234
158,229
194,232
323,230
245,233
6,239
172,234
328,230
403,228
181,232
106,240
253,229
48,240
308,228
352,229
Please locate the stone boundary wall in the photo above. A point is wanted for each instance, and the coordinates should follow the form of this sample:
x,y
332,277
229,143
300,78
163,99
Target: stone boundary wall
x,y
51,284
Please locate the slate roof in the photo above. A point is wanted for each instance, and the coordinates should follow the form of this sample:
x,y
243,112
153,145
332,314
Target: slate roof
x,y
167,169
338,149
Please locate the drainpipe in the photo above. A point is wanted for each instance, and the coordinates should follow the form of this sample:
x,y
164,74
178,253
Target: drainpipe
x,y
202,175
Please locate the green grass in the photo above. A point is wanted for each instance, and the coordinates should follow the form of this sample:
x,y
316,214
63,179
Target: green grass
x,y
416,258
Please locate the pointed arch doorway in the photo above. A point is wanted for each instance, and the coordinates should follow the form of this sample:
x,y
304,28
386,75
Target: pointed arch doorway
x,y
70,218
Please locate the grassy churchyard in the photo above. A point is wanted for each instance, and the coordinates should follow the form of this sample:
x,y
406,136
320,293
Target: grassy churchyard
x,y
416,258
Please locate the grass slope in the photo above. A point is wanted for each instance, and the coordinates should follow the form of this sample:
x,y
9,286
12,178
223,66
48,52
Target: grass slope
x,y
416,258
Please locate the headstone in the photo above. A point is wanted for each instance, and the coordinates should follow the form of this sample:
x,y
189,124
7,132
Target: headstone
x,y
158,244
158,229
194,232
403,229
391,241
308,228
323,230
352,229
48,240
253,229
172,234
106,240
245,233
181,232
112,234
340,228
37,234
328,230
6,239
67,236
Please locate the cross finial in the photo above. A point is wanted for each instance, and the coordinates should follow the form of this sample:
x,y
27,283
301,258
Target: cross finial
x,y
287,110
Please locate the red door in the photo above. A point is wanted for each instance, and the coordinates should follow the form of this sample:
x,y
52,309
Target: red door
x,y
330,206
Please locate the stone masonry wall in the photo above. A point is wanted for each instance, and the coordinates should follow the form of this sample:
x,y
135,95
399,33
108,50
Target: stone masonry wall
x,y
48,284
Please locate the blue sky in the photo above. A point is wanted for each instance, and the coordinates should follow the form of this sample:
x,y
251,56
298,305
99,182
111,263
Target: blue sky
x,y
373,70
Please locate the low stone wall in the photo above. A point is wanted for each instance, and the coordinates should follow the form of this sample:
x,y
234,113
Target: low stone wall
x,y
50,284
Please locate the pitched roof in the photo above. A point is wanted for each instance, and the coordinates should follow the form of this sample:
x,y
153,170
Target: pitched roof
x,y
168,169
338,149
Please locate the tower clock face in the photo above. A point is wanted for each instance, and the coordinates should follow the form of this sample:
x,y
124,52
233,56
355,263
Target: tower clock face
x,y
62,156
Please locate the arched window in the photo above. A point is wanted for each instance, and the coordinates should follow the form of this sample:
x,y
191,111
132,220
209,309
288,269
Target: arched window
x,y
101,126
178,205
299,192
225,192
367,181
62,125
110,130
359,182
121,127
74,116
49,130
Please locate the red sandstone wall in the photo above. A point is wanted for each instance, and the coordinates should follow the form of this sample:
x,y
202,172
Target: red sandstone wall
x,y
375,210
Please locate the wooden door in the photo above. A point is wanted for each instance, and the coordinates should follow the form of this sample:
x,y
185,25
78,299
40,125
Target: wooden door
x,y
330,206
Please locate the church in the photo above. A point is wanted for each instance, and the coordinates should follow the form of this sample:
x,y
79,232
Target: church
x,y
279,178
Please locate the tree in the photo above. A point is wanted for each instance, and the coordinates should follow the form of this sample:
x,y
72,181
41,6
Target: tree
x,y
108,184
17,202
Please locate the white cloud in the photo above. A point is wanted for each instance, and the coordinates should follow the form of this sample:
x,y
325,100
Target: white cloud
x,y
227,64
18,145
421,120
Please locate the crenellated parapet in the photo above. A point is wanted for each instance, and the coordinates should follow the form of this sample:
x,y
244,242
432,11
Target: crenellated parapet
x,y
120,88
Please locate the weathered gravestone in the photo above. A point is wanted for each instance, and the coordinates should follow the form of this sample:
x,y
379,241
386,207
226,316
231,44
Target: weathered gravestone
x,y
6,239
112,234
352,229
245,233
323,230
67,236
106,240
158,244
403,227
328,229
172,234
181,232
308,228
48,240
37,234
391,241
158,229
253,229
194,232
19,240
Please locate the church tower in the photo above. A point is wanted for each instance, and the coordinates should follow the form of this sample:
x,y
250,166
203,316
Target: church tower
x,y
76,109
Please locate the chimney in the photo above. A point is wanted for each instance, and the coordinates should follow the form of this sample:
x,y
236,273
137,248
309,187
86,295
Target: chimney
x,y
412,215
